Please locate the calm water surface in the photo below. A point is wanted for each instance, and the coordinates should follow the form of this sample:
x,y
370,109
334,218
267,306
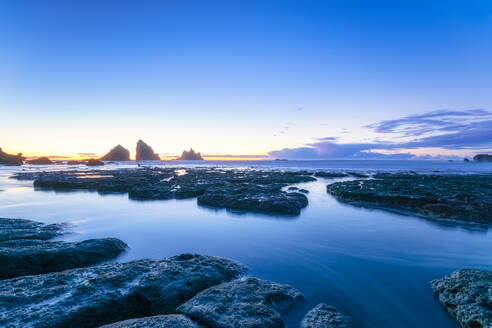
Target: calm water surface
x,y
370,264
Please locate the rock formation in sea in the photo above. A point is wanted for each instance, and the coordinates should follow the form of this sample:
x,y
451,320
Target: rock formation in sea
x,y
73,162
7,159
325,316
191,155
467,296
41,161
25,249
94,162
482,158
118,153
145,152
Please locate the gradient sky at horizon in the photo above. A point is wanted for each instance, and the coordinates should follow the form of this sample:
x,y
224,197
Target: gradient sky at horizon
x,y
236,77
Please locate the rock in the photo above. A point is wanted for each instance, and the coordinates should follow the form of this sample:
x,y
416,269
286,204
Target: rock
x,y
324,316
191,156
466,160
158,321
14,229
94,162
12,160
482,158
118,153
259,191
467,296
74,162
101,294
456,197
358,174
145,152
323,174
30,256
245,302
41,161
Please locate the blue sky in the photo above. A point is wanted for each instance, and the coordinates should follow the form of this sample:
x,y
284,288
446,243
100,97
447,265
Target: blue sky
x,y
291,79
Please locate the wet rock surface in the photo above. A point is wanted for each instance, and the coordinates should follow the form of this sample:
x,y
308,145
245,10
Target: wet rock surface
x,y
158,321
467,296
325,316
145,153
456,197
118,153
97,295
245,302
246,190
30,256
14,229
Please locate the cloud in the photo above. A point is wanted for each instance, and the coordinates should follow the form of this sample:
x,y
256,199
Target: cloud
x,y
445,129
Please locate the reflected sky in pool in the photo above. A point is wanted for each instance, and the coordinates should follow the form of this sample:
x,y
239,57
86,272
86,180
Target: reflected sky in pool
x,y
373,265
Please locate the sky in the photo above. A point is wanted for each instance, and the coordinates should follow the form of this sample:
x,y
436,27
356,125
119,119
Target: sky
x,y
247,79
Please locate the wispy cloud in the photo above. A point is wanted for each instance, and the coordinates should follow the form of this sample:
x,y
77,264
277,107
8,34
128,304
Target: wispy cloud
x,y
445,129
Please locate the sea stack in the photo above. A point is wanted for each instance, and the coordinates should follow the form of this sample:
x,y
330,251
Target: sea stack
x,y
191,156
483,158
118,153
7,159
145,152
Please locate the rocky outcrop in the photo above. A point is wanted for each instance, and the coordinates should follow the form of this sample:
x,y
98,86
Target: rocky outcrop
x,y
247,302
482,158
41,161
33,256
145,152
14,229
191,156
158,321
118,153
74,162
457,197
467,296
259,191
13,160
94,162
101,294
325,316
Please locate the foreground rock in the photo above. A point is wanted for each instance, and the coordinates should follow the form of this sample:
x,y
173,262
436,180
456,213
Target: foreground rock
x,y
325,316
145,152
467,295
482,158
13,160
158,321
246,302
191,156
248,190
30,256
457,197
118,153
14,229
106,293
41,161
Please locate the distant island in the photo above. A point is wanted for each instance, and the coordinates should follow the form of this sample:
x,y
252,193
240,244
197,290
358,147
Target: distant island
x,y
190,156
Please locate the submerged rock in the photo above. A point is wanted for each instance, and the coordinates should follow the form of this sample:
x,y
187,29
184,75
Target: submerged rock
x,y
191,156
246,303
13,160
31,256
93,296
457,197
467,296
158,321
145,152
41,161
14,229
325,316
483,158
259,191
118,153
94,162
